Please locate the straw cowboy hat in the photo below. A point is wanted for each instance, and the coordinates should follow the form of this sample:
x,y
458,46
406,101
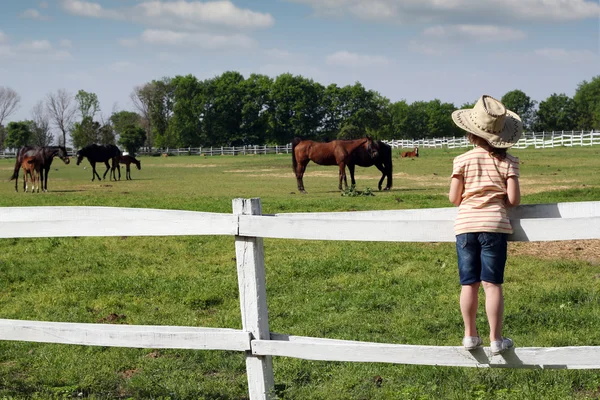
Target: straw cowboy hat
x,y
490,120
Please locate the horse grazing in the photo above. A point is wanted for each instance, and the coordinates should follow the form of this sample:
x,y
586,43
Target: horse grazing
x,y
410,154
383,162
32,167
101,153
128,160
45,156
336,152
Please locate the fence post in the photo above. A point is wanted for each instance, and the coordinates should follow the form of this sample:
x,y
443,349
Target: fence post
x,y
250,260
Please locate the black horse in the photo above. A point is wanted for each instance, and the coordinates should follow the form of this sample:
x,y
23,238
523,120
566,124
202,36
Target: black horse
x,y
383,162
45,155
101,153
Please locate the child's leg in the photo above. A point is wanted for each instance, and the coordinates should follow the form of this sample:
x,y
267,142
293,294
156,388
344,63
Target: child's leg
x,y
494,308
468,307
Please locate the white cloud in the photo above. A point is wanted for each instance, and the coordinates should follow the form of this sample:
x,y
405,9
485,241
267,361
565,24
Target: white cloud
x,y
66,43
32,50
32,13
196,39
278,54
3,37
477,33
44,4
121,66
567,56
128,42
188,15
35,45
457,11
348,59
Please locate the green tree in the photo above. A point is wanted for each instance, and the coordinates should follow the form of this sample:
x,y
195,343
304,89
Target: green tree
x,y
185,125
87,103
439,119
587,104
106,134
518,102
18,134
122,120
556,113
297,108
132,138
417,120
2,136
256,103
85,132
160,111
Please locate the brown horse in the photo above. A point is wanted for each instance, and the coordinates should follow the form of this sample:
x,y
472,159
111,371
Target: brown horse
x,y
128,160
44,155
32,167
336,152
101,154
410,154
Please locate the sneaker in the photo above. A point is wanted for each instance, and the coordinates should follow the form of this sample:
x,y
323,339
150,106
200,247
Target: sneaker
x,y
472,342
499,346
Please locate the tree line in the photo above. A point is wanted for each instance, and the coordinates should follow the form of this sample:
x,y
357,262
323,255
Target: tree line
x,y
230,110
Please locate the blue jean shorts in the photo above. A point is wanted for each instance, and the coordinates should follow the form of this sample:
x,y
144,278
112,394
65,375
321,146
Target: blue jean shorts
x,y
481,257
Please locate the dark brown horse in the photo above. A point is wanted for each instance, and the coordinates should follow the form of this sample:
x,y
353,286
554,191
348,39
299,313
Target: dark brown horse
x,y
101,153
383,162
45,156
336,152
128,160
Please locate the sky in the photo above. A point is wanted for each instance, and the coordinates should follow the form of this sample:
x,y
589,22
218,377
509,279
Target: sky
x,y
452,50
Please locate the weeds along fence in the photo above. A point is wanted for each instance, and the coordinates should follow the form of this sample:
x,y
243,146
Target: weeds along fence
x,y
539,140
544,222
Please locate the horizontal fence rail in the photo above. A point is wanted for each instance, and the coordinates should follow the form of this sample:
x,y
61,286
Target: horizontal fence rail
x,y
543,222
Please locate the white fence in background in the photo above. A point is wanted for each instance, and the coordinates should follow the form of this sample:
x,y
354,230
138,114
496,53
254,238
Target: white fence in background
x,y
538,140
543,222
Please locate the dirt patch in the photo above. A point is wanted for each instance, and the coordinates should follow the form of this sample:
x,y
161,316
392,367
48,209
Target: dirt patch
x,y
189,165
129,373
581,250
113,319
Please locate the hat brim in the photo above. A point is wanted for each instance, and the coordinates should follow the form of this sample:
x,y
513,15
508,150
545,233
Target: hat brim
x,y
513,128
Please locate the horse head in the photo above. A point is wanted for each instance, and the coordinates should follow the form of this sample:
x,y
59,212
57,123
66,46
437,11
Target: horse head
x,y
138,164
79,156
372,147
63,155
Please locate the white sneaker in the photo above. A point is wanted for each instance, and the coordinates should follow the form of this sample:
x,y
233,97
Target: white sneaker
x,y
472,342
499,346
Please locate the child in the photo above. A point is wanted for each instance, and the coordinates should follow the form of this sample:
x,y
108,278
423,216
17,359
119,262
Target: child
x,y
485,181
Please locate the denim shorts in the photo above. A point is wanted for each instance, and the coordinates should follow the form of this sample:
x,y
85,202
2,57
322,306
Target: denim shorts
x,y
481,257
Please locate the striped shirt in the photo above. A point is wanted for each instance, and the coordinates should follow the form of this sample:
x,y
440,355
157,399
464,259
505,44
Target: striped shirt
x,y
483,205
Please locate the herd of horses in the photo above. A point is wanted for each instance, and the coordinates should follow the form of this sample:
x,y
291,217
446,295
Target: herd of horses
x,y
36,161
364,152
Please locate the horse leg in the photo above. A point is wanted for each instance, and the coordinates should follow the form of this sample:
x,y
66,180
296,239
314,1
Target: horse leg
x,y
351,169
382,170
107,169
128,171
343,176
25,181
44,178
299,175
94,173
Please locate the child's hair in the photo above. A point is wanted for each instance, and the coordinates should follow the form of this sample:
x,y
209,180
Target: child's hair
x,y
484,144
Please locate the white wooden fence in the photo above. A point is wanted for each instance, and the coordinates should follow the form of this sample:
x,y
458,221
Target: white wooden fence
x,y
538,140
562,221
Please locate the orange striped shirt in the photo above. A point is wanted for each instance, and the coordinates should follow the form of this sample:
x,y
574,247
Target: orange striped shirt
x,y
483,205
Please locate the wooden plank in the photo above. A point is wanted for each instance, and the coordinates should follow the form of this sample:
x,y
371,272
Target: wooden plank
x,y
582,209
535,229
250,257
18,222
139,336
585,357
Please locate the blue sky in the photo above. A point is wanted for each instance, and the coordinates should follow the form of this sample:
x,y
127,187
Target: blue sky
x,y
453,50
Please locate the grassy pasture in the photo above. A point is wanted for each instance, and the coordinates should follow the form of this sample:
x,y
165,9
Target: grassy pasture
x,y
382,292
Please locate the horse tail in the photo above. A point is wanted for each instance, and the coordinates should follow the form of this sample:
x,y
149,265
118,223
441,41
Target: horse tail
x,y
18,159
295,143
387,161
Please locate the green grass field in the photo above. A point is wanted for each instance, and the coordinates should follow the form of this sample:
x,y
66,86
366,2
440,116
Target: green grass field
x,y
382,292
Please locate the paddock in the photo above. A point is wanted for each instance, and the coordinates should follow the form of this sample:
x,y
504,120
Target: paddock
x,y
544,222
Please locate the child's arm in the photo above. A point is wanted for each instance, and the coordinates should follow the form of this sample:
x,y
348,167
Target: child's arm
x,y
456,189
513,192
